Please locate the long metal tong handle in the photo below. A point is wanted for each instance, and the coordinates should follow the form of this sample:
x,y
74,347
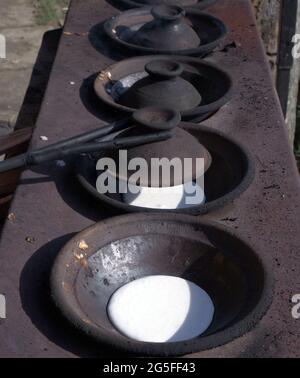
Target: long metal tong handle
x,y
88,136
62,150
24,160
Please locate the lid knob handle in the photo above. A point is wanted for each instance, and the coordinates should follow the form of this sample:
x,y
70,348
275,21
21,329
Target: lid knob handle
x,y
156,118
164,68
167,12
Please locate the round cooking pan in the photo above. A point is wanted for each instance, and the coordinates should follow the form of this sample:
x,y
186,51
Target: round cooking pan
x,y
122,249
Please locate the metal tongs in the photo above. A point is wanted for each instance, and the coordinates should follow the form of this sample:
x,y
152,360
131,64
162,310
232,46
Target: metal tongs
x,y
159,122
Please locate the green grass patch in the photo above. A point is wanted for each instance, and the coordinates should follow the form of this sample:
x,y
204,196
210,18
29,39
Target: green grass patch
x,y
50,11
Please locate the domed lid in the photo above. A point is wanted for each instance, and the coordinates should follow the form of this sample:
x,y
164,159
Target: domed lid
x,y
180,147
168,30
163,87
156,118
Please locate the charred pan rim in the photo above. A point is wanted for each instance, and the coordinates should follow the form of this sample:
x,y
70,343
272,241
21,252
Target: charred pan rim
x,y
102,80
113,22
200,5
197,210
124,344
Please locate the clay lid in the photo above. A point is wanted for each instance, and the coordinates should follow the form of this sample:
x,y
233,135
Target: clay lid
x,y
182,145
155,119
168,30
163,87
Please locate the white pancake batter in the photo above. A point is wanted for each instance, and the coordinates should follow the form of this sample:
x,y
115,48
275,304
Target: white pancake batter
x,y
161,309
168,198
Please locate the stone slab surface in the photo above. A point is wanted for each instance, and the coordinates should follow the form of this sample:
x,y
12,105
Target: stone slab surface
x,y
49,207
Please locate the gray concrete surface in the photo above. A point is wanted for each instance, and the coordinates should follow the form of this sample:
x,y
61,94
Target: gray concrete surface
x,y
23,39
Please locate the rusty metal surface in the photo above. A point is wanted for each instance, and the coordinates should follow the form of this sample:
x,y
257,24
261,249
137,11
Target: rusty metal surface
x,y
48,207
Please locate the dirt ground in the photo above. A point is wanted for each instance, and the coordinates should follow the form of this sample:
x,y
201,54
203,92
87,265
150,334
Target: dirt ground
x,y
22,23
